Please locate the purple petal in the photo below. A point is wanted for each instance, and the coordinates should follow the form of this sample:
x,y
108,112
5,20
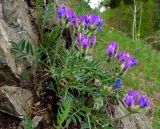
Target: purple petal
x,y
134,98
130,92
85,42
129,100
70,14
79,39
93,41
118,82
112,48
61,11
143,101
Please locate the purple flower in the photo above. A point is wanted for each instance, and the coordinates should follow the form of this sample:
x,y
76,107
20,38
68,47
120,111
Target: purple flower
x,y
85,42
95,22
79,39
99,25
135,93
134,99
118,83
112,48
83,19
70,14
75,21
121,56
130,92
143,101
61,13
127,60
93,41
92,18
66,13
129,100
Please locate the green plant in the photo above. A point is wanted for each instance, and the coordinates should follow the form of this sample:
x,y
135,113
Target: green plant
x,y
82,80
146,75
63,113
121,17
28,124
23,49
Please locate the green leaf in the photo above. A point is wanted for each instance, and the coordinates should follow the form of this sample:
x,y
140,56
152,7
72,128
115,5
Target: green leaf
x,y
14,44
84,125
74,120
67,123
22,44
63,113
30,49
78,117
48,13
15,49
28,123
27,47
22,56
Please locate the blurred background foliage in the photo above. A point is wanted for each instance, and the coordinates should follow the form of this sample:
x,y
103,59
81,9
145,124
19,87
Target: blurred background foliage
x,y
120,16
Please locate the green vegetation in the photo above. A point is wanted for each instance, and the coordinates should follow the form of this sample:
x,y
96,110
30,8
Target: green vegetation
x,y
121,17
146,76
82,82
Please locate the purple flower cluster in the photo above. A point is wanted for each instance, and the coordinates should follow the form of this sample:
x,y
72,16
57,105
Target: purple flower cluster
x,y
92,21
83,40
126,60
66,13
123,57
136,100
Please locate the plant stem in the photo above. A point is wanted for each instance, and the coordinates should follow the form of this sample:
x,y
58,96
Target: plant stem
x,y
130,113
76,111
89,122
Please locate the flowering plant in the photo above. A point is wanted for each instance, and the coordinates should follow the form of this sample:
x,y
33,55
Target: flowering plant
x,y
92,21
85,84
125,59
136,101
80,85
85,27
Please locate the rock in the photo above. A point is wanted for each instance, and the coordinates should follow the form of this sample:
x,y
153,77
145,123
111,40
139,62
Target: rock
x,y
134,121
36,120
15,101
15,24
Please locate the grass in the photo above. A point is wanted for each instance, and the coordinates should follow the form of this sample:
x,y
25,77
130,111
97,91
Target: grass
x,y
145,76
